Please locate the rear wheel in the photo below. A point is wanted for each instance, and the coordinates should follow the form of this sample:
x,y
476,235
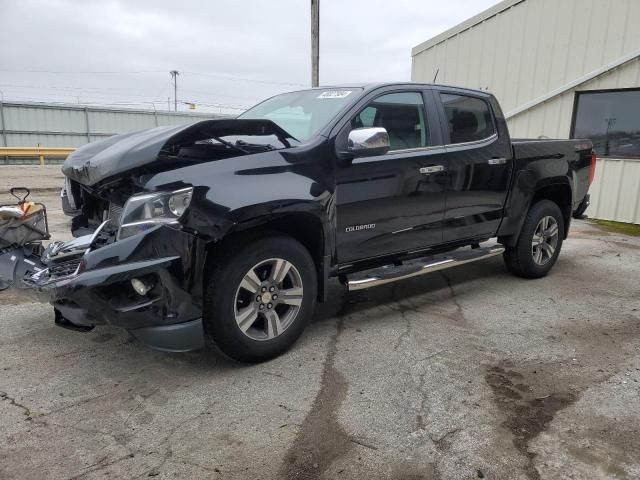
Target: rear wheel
x,y
539,243
260,299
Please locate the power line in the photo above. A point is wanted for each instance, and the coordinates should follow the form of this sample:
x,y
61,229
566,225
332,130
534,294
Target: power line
x,y
121,89
89,91
18,98
116,72
81,72
22,98
57,87
96,92
244,79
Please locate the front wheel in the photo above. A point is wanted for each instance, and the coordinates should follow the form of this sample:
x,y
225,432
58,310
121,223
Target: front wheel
x,y
260,298
540,241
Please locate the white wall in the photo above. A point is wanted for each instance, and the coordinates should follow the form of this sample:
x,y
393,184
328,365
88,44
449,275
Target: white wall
x,y
615,193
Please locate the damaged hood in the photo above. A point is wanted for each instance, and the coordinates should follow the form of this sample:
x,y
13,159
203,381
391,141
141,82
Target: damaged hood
x,y
114,155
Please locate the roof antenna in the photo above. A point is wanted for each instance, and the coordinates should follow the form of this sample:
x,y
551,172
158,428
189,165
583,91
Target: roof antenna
x,y
436,76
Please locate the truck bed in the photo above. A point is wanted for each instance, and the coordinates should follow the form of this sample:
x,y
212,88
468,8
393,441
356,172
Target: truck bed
x,y
559,157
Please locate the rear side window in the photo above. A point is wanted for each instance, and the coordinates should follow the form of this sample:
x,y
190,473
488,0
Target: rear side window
x,y
401,114
469,118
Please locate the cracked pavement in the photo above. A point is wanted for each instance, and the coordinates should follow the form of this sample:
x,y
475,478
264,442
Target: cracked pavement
x,y
467,374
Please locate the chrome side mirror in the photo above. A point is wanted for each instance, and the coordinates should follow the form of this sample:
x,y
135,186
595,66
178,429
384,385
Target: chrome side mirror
x,y
368,141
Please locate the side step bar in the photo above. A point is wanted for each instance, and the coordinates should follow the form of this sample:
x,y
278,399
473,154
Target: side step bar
x,y
412,268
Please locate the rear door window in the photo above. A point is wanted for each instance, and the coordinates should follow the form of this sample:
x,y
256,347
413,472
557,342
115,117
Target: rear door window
x,y
401,114
469,118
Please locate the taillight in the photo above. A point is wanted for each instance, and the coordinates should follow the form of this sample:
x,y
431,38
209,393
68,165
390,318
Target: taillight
x,y
592,167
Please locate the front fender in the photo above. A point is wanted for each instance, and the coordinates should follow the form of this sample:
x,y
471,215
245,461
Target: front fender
x,y
254,188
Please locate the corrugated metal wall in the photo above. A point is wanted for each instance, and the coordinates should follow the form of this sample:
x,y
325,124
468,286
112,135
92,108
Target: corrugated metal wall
x,y
615,193
524,50
31,124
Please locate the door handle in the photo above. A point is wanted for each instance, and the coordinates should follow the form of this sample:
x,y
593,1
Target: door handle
x,y
497,161
433,169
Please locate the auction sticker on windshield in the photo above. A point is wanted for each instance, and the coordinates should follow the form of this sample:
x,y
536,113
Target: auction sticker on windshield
x,y
335,94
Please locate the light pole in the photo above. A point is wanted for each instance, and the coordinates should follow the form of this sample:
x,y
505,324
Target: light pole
x,y
4,126
174,74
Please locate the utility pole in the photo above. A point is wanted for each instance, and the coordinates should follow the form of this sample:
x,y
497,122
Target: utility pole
x,y
174,75
315,42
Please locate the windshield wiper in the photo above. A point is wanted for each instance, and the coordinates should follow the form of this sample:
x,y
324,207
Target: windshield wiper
x,y
231,145
258,146
245,147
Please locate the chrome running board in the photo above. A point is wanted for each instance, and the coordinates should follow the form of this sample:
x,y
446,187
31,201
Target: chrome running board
x,y
412,268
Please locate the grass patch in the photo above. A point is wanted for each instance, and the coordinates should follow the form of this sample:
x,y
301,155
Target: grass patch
x,y
618,227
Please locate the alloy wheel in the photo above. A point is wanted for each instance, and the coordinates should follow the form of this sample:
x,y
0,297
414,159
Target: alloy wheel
x,y
545,240
268,299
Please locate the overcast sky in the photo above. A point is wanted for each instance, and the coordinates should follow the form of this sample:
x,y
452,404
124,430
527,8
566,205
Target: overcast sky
x,y
231,53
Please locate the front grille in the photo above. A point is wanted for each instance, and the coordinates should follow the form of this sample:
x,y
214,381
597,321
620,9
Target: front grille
x,y
64,269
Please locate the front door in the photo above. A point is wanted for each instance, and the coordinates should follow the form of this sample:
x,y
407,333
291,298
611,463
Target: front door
x,y
394,202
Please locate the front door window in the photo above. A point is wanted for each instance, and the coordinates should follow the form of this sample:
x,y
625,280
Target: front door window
x,y
401,114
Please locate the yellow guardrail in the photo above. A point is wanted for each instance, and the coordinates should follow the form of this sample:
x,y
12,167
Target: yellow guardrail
x,y
40,152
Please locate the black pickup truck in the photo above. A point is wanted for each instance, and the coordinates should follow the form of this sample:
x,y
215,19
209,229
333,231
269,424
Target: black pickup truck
x,y
231,229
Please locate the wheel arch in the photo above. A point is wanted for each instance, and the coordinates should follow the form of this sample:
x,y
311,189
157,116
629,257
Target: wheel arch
x,y
307,228
558,191
561,195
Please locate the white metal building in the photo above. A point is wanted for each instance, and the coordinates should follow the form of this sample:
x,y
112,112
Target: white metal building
x,y
560,69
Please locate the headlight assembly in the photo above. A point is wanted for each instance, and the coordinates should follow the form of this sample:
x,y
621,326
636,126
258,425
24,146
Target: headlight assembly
x,y
144,211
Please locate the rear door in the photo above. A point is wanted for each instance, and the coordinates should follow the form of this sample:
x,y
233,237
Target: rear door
x,y
389,203
479,163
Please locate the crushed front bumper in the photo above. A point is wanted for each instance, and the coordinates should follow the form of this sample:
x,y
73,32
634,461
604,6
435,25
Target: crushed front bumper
x,y
167,317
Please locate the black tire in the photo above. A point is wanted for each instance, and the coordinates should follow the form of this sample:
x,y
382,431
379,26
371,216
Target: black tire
x,y
520,258
222,290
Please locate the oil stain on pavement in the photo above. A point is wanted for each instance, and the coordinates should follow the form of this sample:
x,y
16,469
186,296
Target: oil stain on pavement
x,y
321,439
526,415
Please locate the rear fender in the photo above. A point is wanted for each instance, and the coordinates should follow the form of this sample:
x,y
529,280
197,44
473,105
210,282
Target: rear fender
x,y
527,190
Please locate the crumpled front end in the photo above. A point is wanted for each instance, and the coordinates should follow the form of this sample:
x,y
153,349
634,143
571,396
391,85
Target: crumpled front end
x,y
149,284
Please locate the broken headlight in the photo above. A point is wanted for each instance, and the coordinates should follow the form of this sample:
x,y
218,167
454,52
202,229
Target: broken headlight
x,y
145,211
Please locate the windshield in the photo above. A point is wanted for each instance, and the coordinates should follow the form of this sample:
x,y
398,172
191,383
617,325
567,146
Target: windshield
x,y
303,114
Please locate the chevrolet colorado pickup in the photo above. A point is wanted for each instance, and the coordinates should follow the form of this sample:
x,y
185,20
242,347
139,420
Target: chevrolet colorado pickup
x,y
231,229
